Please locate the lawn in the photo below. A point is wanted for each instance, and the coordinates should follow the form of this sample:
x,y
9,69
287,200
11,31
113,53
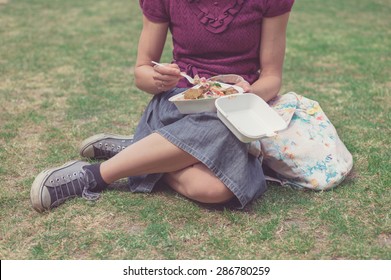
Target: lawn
x,y
66,72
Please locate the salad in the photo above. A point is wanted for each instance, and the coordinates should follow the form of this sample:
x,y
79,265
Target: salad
x,y
207,89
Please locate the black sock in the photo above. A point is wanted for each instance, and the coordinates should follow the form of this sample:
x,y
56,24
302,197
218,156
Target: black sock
x,y
95,170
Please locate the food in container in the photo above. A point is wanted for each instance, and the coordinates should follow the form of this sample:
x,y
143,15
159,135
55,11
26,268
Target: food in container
x,y
201,97
208,89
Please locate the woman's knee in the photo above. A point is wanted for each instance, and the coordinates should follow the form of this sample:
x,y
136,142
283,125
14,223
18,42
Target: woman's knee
x,y
208,191
198,183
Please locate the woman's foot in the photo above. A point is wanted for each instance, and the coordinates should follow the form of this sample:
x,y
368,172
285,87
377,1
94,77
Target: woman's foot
x,y
104,145
54,186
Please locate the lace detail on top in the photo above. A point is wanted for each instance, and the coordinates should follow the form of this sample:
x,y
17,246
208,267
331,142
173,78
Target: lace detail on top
x,y
106,150
72,185
220,23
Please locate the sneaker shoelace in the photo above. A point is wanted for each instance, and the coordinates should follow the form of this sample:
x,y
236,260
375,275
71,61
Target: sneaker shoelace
x,y
107,150
78,184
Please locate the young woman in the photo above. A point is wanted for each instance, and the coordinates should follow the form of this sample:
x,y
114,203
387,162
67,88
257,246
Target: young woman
x,y
194,154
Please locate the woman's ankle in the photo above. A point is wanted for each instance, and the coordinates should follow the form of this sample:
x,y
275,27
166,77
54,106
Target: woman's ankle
x,y
101,184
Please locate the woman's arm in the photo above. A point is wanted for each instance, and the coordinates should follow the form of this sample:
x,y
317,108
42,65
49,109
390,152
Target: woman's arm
x,y
272,53
151,43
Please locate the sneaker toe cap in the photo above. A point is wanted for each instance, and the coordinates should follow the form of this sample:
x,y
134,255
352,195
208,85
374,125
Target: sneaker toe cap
x,y
39,195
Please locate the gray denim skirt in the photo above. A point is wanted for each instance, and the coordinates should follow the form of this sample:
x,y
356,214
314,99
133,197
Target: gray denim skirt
x,y
206,138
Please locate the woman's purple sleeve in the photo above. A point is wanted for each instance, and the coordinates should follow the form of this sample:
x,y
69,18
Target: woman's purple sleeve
x,y
277,7
155,10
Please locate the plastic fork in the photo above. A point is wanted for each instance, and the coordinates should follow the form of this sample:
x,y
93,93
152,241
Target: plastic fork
x,y
187,77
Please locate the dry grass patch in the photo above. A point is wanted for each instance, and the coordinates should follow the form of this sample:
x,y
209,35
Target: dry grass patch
x,y
384,239
66,73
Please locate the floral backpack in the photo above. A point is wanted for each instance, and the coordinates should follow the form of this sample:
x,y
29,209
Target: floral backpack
x,y
309,153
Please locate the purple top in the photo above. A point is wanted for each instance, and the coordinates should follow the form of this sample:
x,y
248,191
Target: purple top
x,y
213,37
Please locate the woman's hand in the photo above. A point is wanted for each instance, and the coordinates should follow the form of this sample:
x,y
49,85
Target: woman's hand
x,y
234,80
167,76
244,85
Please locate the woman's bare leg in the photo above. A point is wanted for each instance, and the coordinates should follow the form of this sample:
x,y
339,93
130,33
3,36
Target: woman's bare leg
x,y
184,173
153,154
197,182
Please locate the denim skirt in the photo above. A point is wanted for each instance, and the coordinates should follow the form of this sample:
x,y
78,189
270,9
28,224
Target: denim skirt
x,y
207,139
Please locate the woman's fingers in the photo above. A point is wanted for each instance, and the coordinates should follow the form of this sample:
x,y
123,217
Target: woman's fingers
x,y
244,85
167,69
166,76
166,80
165,84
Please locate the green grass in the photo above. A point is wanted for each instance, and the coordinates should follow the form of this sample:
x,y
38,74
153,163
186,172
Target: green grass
x,y
66,73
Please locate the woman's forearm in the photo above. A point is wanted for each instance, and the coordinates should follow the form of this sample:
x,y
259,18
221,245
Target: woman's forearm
x,y
150,47
272,53
143,78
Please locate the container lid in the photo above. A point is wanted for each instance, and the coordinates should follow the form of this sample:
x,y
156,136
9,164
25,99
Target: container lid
x,y
249,116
